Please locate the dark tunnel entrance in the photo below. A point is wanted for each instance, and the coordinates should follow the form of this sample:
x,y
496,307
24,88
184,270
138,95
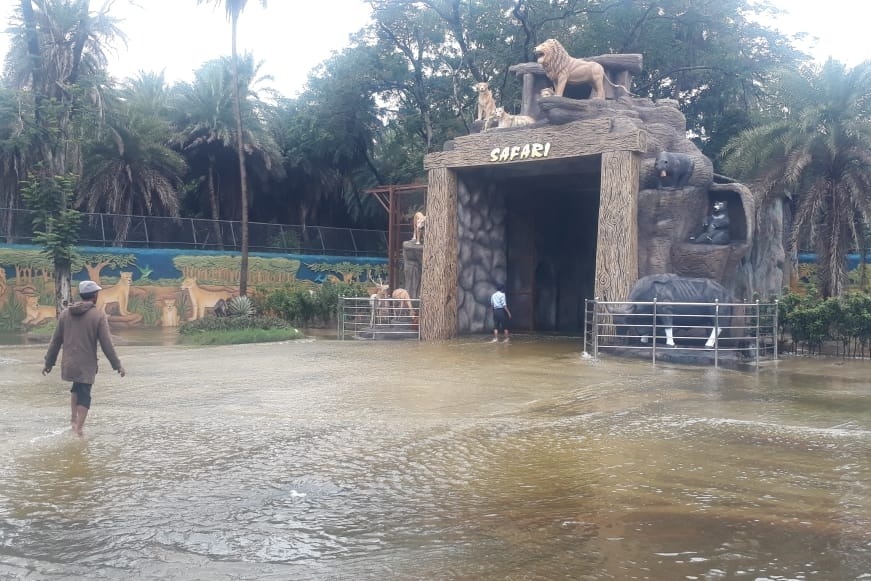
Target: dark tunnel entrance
x,y
551,234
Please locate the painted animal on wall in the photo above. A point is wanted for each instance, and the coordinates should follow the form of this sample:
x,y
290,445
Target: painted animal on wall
x,y
169,314
119,294
34,313
202,299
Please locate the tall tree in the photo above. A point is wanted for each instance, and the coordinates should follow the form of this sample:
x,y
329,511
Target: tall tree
x,y
129,167
205,133
815,143
234,9
57,55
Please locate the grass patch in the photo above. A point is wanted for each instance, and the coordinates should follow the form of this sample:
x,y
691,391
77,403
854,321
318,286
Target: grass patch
x,y
240,336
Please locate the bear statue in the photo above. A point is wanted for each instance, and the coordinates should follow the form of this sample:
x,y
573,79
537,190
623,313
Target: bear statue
x,y
715,227
675,169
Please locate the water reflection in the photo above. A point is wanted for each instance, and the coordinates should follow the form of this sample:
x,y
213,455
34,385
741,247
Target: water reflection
x,y
463,459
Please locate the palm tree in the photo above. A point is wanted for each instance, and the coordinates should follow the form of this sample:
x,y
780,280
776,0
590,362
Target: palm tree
x,y
57,56
130,169
206,136
234,9
816,143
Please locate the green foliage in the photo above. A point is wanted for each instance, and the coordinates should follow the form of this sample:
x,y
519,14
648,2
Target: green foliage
x,y
55,224
241,336
241,307
219,324
350,271
305,306
810,322
11,314
147,307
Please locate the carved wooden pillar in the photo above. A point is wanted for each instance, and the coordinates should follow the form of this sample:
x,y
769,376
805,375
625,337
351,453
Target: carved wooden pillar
x,y
438,280
617,245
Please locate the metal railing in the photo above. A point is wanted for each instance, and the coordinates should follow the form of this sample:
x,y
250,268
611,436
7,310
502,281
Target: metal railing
x,y
747,331
202,234
374,318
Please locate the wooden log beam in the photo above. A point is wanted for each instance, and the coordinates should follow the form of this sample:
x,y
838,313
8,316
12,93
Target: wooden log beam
x,y
580,138
438,280
617,245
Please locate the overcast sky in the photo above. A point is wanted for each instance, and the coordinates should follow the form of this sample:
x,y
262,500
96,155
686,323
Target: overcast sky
x,y
291,37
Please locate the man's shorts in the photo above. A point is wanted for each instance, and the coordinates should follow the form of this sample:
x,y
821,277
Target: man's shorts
x,y
500,319
83,394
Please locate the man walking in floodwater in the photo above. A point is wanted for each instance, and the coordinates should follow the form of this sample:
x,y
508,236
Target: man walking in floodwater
x,y
79,328
501,314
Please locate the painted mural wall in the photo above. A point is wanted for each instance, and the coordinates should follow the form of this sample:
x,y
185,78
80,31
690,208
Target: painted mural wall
x,y
161,287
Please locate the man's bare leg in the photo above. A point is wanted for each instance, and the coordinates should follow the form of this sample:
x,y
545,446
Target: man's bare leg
x,y
74,403
82,414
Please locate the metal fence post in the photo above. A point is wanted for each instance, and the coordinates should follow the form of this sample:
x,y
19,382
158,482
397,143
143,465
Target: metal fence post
x,y
717,331
775,329
596,328
653,338
758,322
586,307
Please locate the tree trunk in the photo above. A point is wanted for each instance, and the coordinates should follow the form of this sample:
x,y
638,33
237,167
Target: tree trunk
x,y
240,149
213,202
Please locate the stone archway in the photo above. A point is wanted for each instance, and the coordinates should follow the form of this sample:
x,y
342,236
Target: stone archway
x,y
454,209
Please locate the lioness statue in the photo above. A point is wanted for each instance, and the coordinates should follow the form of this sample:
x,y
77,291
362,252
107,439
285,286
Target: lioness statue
x,y
486,103
562,69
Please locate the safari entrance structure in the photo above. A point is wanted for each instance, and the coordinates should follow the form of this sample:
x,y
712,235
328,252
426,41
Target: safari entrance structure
x,y
587,189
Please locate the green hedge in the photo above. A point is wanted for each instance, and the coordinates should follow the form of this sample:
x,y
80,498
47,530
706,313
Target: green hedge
x,y
305,305
810,322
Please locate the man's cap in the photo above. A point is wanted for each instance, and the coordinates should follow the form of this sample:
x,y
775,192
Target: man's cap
x,y
88,286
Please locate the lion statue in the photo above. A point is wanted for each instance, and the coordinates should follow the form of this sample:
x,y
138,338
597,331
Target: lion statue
x,y
562,69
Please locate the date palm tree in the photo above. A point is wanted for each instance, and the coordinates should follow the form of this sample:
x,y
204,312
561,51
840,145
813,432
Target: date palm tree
x,y
234,9
205,134
57,56
816,143
129,168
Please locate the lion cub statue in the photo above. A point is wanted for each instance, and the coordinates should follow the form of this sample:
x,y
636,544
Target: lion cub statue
x,y
486,103
562,69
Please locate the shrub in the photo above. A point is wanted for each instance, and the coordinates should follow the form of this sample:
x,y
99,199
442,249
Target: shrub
x,y
209,324
304,306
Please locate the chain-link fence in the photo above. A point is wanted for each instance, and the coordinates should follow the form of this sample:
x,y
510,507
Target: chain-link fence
x,y
200,234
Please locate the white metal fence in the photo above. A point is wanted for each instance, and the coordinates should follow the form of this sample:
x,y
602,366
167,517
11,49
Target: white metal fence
x,y
747,332
374,318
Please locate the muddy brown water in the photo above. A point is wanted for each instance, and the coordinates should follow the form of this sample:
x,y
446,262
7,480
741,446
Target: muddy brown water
x,y
324,459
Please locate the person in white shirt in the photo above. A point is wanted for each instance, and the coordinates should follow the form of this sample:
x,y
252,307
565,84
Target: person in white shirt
x,y
501,313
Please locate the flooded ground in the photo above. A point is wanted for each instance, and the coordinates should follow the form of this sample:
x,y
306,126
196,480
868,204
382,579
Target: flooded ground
x,y
323,459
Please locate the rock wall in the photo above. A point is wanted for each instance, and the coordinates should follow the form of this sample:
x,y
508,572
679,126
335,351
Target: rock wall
x,y
482,252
